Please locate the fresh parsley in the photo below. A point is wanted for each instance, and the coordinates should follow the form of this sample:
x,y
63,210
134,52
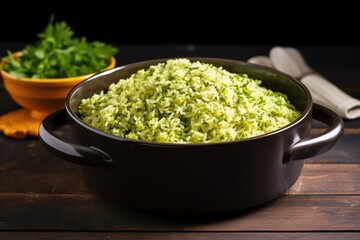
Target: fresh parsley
x,y
58,54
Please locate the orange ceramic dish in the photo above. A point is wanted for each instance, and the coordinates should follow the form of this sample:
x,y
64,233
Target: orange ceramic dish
x,y
39,97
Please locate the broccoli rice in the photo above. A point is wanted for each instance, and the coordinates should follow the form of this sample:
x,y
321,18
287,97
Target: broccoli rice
x,y
180,101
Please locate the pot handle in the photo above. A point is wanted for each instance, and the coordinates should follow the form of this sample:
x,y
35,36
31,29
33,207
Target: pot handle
x,y
313,146
83,155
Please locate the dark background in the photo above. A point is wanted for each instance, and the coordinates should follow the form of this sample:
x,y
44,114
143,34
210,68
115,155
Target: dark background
x,y
188,22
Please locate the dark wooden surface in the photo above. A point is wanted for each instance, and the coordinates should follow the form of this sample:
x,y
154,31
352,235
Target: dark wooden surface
x,y
44,197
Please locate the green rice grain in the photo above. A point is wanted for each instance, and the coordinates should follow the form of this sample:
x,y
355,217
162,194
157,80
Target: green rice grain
x,y
187,102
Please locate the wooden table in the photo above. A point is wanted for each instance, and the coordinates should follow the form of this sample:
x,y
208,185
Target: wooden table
x,y
44,197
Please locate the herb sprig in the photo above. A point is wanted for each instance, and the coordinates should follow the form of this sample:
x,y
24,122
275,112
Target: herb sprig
x,y
57,54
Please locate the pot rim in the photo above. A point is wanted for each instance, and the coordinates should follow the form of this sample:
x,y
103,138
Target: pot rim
x,y
74,116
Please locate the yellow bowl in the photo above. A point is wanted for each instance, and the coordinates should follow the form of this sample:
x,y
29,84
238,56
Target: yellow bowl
x,y
39,97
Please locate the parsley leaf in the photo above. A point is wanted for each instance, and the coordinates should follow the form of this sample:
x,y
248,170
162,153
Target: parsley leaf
x,y
58,54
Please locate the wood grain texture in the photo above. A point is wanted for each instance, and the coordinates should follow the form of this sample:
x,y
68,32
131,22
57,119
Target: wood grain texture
x,y
57,212
178,235
327,179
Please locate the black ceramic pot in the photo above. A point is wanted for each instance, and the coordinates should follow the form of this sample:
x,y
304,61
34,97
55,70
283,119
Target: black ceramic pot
x,y
192,178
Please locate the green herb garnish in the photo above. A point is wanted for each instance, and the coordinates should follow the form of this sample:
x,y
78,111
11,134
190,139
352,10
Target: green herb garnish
x,y
57,54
